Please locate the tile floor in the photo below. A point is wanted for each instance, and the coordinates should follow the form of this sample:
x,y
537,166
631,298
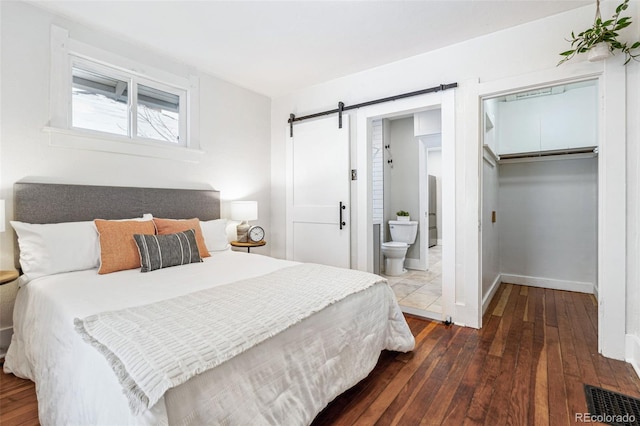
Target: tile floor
x,y
421,290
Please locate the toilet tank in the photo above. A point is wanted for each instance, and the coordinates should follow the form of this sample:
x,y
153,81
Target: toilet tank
x,y
403,231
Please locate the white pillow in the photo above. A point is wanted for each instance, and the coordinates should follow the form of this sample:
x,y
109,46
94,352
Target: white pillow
x,y
232,229
57,247
52,248
215,234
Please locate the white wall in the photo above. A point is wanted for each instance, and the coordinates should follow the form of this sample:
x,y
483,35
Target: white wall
x,y
403,176
548,220
520,51
234,129
490,230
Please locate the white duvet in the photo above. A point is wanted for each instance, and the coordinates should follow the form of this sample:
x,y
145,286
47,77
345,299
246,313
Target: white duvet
x,y
285,380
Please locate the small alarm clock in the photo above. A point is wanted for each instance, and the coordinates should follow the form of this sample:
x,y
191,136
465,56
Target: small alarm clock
x,y
256,234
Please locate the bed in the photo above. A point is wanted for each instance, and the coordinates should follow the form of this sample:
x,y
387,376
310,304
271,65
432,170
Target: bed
x,y
282,373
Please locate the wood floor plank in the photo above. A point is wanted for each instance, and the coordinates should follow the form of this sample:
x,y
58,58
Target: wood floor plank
x,y
558,410
437,411
589,332
539,413
519,403
408,393
426,393
459,406
550,307
503,301
499,342
424,347
567,348
583,344
497,414
527,366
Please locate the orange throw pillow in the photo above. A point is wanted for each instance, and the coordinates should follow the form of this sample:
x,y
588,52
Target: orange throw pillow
x,y
118,249
172,226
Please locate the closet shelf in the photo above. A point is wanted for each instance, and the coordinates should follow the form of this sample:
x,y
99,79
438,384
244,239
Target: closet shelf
x,y
554,154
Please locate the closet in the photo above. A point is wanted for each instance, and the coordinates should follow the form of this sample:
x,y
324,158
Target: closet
x,y
539,189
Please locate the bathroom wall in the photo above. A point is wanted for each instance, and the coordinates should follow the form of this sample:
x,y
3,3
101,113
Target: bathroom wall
x,y
403,176
377,170
387,167
434,168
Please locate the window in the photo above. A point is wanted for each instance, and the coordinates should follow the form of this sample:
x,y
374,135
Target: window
x,y
108,100
103,101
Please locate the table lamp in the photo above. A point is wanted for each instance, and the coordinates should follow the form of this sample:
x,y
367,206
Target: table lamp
x,y
244,211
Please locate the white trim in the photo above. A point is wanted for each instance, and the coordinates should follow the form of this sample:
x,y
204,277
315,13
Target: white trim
x,y
488,154
486,300
422,313
612,209
65,51
95,141
552,283
633,352
364,220
289,195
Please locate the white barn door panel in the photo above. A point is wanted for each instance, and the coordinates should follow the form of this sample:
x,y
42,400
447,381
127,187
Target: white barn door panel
x,y
318,183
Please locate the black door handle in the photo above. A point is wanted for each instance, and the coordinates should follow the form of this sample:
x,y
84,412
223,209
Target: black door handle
x,y
342,207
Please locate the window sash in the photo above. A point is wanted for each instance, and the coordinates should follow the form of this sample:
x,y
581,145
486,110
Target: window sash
x,y
133,83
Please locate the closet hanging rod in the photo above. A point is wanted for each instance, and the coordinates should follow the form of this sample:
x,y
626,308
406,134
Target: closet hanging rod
x,y
342,107
551,152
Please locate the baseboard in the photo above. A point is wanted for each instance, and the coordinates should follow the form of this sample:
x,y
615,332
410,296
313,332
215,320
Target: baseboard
x,y
486,299
633,352
581,287
421,313
5,340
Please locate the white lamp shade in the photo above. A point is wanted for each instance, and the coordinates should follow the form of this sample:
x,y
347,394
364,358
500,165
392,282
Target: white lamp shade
x,y
2,216
244,210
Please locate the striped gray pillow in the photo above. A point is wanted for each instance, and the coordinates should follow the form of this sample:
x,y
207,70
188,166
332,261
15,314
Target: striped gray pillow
x,y
163,251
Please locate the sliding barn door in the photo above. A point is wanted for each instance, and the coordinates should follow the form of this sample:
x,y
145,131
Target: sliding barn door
x,y
318,202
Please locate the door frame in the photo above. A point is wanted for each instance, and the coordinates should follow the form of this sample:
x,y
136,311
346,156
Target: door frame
x,y
363,194
611,183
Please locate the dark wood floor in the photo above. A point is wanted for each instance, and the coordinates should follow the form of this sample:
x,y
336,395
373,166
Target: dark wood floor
x,y
526,366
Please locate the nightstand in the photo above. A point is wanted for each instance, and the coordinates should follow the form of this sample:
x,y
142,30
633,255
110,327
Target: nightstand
x,y
248,245
8,276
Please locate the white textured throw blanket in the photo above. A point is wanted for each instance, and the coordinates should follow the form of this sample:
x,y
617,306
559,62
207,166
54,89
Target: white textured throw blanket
x,y
155,347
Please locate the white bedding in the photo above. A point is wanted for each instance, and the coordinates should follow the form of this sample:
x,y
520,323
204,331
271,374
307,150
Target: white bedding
x,y
285,380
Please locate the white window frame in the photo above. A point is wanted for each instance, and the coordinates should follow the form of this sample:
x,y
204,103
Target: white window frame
x,y
67,52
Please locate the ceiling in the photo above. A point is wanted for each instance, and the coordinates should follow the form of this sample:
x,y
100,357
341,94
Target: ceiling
x,y
277,47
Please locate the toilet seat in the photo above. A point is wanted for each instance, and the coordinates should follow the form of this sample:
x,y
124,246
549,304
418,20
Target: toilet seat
x,y
395,244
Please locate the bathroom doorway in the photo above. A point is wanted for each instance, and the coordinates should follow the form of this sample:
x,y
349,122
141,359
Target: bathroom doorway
x,y
363,236
407,177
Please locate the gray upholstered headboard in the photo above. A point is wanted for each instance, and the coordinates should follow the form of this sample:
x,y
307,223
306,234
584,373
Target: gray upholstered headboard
x,y
55,203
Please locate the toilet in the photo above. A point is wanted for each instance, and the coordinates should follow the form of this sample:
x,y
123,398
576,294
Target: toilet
x,y
403,234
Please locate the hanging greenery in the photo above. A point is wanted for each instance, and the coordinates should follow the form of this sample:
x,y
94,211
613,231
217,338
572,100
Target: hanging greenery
x,y
603,32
